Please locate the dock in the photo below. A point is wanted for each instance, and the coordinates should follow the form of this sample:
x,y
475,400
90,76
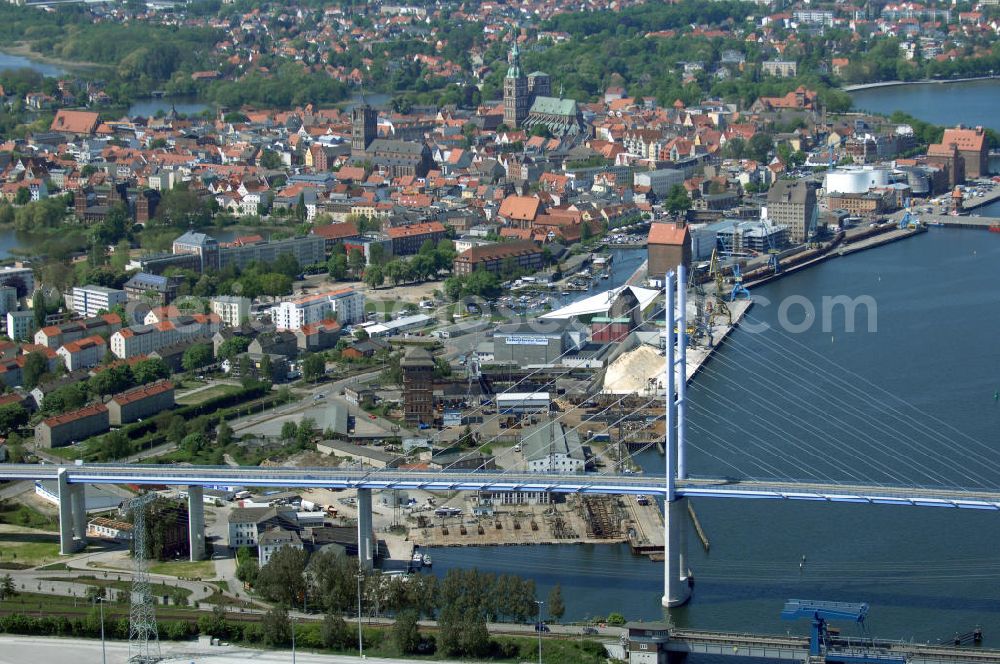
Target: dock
x,y
796,648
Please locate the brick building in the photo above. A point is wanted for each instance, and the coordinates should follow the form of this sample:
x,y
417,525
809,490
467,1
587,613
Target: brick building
x,y
497,258
141,402
668,245
74,426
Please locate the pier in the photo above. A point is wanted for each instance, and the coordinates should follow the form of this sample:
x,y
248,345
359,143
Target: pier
x,y
796,648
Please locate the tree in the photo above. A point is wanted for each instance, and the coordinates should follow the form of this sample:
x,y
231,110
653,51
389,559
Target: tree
x,y
149,370
335,633
266,370
313,367
11,417
270,159
405,634
275,627
300,208
759,147
374,276
678,200
22,196
556,606
115,446
197,356
356,261
232,347
7,587
336,267
288,430
36,365
377,254
281,579
111,380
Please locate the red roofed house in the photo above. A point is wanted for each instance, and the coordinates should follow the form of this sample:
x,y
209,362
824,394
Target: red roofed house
x,y
669,245
75,425
83,353
74,123
972,147
335,234
408,239
141,402
520,211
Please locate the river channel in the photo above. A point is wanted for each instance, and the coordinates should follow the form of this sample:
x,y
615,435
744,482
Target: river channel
x,y
914,397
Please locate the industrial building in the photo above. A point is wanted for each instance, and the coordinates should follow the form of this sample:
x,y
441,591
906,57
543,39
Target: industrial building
x,y
418,386
552,447
668,246
536,343
792,204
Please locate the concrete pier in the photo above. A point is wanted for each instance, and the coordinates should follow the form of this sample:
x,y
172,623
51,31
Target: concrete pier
x,y
66,545
196,522
366,555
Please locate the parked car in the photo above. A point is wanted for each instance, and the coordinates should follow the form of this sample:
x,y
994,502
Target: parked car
x,y
542,627
590,630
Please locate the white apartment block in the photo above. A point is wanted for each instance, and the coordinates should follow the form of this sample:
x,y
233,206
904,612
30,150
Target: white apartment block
x,y
8,299
88,300
83,353
20,325
232,309
346,304
144,339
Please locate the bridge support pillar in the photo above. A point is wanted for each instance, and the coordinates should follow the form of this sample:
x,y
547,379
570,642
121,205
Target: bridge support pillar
x,y
196,522
366,554
67,544
676,584
79,515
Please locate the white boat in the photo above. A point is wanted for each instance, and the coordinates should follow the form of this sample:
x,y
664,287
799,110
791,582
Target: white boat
x,y
418,559
427,560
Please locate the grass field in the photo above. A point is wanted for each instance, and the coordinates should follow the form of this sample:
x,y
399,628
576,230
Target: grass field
x,y
18,514
158,589
184,569
188,399
26,547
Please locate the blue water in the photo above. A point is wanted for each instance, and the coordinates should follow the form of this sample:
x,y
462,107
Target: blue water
x,y
972,103
773,404
8,61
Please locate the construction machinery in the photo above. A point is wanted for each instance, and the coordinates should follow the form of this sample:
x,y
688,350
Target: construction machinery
x,y
739,290
715,271
822,645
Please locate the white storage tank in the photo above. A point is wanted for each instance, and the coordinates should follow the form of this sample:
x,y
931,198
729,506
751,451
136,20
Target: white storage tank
x,y
855,180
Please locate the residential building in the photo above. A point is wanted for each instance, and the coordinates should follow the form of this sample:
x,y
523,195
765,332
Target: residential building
x,y
334,234
552,447
500,258
141,402
151,288
54,336
407,240
319,336
233,310
660,181
418,386
74,426
90,300
110,529
781,68
8,300
20,325
345,305
145,339
83,353
21,278
668,246
792,204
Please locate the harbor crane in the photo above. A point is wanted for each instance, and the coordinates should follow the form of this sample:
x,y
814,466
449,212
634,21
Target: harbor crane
x,y
739,290
820,645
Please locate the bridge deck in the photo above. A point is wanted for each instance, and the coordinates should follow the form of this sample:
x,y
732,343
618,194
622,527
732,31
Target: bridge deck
x,y
444,480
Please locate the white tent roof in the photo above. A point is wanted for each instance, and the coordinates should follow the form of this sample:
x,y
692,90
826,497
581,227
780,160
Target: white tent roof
x,y
601,303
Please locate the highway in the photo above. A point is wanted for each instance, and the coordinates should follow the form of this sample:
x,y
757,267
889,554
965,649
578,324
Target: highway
x,y
465,480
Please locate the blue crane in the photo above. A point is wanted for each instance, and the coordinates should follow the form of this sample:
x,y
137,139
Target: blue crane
x,y
819,612
739,290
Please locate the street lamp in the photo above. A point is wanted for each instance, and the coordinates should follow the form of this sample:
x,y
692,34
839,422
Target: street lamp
x,y
104,654
538,628
293,639
361,645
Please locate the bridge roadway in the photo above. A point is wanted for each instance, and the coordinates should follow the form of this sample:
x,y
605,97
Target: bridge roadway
x,y
796,648
464,480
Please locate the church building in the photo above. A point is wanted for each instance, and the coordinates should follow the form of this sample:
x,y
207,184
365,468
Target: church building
x,y
527,102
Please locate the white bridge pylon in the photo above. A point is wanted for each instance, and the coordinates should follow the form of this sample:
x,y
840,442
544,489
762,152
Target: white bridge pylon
x,y
676,578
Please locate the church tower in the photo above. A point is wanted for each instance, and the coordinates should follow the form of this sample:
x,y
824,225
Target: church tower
x,y
364,121
515,90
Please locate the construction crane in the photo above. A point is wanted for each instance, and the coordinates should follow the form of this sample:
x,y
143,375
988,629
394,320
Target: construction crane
x,y
715,270
820,646
739,290
907,221
143,639
772,250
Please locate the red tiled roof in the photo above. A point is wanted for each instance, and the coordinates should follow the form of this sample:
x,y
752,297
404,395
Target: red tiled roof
x,y
667,234
397,232
73,415
144,392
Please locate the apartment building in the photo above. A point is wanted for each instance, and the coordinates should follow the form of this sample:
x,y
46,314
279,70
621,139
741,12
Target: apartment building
x,y
144,339
20,325
345,305
231,309
54,336
496,258
83,353
407,240
141,402
91,299
73,426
